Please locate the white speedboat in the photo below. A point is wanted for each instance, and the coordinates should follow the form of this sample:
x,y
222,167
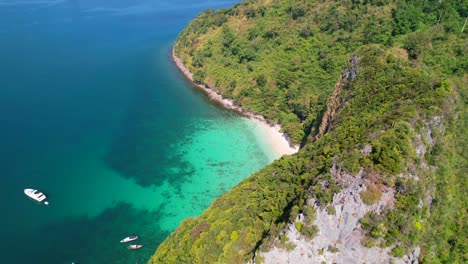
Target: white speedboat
x,y
36,195
135,246
128,239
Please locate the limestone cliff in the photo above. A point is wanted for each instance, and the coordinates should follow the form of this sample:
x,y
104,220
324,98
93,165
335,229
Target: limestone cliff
x,y
349,74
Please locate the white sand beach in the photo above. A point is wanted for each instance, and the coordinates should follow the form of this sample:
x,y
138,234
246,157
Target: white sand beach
x,y
277,143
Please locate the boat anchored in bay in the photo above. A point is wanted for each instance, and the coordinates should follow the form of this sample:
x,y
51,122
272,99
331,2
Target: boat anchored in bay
x,y
36,195
134,247
129,239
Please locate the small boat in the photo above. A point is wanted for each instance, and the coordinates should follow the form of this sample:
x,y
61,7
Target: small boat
x,y
36,195
128,239
135,246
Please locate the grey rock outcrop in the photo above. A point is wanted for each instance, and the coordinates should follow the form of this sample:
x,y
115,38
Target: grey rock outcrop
x,y
339,238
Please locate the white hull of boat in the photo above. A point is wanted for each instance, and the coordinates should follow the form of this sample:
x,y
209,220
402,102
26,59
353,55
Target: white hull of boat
x,y
129,239
134,247
36,195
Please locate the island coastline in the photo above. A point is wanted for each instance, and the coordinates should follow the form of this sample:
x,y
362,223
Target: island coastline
x,y
278,141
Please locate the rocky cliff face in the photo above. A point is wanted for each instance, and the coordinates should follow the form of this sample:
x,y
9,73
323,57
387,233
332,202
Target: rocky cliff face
x,y
340,235
349,74
339,238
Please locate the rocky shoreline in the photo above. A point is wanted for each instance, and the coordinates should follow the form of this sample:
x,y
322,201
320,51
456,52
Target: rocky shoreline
x,y
230,104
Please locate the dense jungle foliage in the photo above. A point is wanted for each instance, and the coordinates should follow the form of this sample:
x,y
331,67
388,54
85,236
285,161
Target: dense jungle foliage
x,y
402,67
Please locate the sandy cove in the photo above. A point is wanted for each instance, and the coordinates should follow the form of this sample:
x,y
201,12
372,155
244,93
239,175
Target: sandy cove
x,y
278,141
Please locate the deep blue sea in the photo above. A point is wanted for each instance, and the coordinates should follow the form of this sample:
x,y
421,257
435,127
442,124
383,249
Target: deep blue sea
x,y
94,114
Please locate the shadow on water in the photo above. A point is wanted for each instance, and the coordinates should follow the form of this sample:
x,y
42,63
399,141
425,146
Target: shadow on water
x,y
95,240
143,148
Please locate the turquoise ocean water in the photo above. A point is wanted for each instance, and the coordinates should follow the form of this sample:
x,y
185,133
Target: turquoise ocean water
x,y
94,113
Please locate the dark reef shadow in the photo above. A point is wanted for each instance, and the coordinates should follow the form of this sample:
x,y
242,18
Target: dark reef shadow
x,y
143,148
91,240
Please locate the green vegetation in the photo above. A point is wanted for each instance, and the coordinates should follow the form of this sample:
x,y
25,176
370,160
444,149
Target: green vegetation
x,y
309,229
445,234
404,68
299,226
398,252
284,243
333,249
371,195
331,210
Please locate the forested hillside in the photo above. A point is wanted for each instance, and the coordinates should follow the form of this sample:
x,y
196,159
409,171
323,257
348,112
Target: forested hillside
x,y
373,89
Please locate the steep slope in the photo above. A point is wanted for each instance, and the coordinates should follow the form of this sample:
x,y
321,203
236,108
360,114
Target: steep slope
x,y
380,175
379,151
